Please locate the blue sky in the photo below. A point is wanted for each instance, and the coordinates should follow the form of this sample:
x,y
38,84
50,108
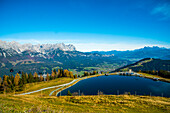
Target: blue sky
x,y
88,24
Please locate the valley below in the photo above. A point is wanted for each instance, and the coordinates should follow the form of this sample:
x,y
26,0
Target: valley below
x,y
58,78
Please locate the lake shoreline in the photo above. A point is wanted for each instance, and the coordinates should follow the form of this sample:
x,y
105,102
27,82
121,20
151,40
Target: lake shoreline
x,y
64,88
58,90
149,76
153,77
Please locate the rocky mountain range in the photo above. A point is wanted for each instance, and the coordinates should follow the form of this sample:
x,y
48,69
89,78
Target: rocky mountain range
x,y
36,58
41,48
146,52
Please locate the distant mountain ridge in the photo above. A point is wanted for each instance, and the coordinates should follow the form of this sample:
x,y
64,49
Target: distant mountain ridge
x,y
146,52
42,48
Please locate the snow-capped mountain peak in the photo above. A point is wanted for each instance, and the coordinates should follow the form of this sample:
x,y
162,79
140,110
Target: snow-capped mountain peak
x,y
42,48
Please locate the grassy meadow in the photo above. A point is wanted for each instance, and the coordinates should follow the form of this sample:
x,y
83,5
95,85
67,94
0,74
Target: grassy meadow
x,y
41,102
39,85
84,104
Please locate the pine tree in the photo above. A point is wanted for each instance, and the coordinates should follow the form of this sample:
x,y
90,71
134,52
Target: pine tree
x,y
86,73
26,76
10,86
94,72
5,83
12,79
36,77
66,73
30,78
16,81
61,73
71,74
55,72
4,78
53,75
47,78
41,78
75,76
153,72
24,80
21,85
0,81
69,93
58,73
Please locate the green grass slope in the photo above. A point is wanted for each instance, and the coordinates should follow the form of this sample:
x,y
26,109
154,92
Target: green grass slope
x,y
84,104
148,64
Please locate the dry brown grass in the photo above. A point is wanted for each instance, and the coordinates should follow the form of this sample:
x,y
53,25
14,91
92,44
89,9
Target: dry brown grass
x,y
84,104
81,104
154,76
44,84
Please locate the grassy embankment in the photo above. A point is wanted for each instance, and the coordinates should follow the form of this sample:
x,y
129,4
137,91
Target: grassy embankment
x,y
78,104
54,94
39,85
66,80
155,76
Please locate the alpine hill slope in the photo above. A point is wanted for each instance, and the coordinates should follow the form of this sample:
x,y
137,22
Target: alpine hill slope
x,y
150,66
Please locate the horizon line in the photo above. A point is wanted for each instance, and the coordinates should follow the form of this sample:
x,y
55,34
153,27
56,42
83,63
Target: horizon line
x,y
99,50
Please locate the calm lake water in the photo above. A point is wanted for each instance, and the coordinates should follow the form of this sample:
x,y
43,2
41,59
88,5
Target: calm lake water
x,y
114,84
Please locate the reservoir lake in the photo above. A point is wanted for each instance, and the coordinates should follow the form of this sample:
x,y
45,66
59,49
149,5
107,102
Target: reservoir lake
x,y
118,84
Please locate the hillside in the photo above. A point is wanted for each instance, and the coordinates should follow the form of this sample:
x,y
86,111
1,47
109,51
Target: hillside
x,y
84,104
148,64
